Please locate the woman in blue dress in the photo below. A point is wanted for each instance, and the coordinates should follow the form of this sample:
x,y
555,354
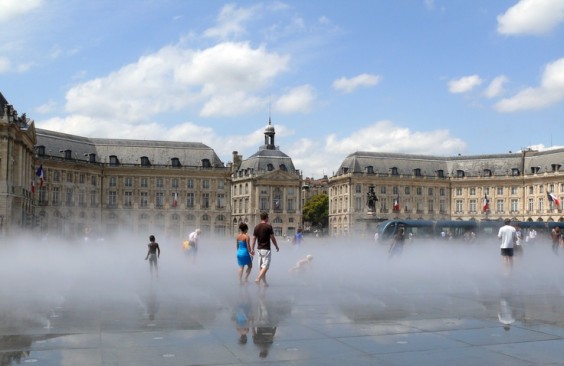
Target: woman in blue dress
x,y
244,253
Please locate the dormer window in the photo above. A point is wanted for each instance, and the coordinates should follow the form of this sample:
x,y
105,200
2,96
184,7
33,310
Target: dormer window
x,y
417,172
370,169
487,173
515,172
394,171
41,150
175,162
114,160
145,161
92,157
270,167
555,167
460,173
206,163
535,169
345,170
283,167
440,173
68,154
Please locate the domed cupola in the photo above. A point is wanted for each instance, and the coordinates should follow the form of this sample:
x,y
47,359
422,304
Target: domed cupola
x,y
269,136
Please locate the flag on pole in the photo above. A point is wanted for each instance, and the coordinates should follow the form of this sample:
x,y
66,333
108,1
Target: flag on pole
x,y
175,199
396,204
553,198
33,186
39,173
486,203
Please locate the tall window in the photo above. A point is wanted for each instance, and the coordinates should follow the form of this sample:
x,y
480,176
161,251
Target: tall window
x,y
458,204
128,182
358,204
264,203
431,205
206,184
472,205
93,200
514,205
276,199
291,204
128,199
68,199
499,205
113,181
160,183
531,205
56,197
220,200
190,199
159,199
144,199
442,206
174,183
144,183
112,198
205,200
190,183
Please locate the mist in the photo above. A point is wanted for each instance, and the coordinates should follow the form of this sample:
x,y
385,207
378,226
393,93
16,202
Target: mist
x,y
38,276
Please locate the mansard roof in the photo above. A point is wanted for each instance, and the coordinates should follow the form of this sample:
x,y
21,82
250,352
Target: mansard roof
x,y
429,165
127,151
262,159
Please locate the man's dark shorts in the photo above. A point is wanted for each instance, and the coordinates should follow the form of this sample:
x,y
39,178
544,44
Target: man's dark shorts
x,y
507,252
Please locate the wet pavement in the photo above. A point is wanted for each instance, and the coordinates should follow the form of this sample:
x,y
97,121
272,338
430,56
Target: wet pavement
x,y
398,312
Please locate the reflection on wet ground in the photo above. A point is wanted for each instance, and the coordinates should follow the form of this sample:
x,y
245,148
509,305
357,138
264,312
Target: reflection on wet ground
x,y
363,312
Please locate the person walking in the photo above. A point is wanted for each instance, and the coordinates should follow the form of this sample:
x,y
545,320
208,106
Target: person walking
x,y
263,234
193,241
244,253
153,254
508,236
396,247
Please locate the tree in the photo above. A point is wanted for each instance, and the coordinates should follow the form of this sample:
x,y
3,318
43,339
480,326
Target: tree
x,y
316,210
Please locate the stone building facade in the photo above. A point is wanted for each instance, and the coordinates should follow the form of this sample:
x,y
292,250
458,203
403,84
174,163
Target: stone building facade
x,y
515,186
93,186
267,181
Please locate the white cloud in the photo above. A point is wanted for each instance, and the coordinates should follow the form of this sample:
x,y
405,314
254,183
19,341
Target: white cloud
x,y
222,78
48,107
297,100
349,85
531,17
550,91
5,64
386,136
230,22
317,157
464,84
10,9
496,87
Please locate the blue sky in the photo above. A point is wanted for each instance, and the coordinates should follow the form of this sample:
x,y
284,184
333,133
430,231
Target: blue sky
x,y
413,76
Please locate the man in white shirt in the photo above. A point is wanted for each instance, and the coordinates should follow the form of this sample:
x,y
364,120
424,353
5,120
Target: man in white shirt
x,y
508,236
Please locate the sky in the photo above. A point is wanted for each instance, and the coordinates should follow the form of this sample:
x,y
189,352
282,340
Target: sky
x,y
436,77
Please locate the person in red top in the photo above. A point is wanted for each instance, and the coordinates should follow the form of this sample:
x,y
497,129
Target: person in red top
x,y
264,234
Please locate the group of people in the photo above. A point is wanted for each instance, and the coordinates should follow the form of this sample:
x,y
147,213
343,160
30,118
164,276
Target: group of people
x,y
263,238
